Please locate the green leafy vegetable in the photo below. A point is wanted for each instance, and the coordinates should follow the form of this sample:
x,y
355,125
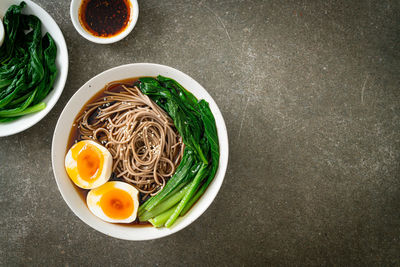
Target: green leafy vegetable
x,y
165,205
196,124
27,65
160,220
189,193
212,137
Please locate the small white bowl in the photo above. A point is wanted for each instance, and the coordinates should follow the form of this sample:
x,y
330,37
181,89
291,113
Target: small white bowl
x,y
1,32
74,13
63,128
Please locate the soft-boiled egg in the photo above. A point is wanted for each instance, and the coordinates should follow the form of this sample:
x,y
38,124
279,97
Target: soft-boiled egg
x,y
88,164
115,202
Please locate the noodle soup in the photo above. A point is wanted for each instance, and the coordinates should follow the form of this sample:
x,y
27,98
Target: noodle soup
x,y
143,150
189,206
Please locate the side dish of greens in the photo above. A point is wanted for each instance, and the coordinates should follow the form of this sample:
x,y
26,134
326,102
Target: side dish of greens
x,y
27,65
196,124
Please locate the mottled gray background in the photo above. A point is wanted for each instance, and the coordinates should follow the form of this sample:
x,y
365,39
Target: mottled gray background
x,y
310,94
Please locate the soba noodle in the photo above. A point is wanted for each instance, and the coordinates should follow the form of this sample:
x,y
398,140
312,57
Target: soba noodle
x,y
141,137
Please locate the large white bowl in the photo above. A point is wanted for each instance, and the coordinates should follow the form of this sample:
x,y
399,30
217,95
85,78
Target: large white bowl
x,y
63,128
48,25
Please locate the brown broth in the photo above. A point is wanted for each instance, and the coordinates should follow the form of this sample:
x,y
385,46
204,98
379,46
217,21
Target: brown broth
x,y
104,18
74,136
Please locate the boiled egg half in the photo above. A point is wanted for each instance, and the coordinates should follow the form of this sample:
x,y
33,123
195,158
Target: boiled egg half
x,y
115,202
88,164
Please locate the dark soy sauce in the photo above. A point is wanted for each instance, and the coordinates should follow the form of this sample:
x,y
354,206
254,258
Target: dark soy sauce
x,y
105,18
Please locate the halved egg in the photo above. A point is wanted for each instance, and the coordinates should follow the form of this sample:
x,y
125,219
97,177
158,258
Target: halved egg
x,y
115,202
88,164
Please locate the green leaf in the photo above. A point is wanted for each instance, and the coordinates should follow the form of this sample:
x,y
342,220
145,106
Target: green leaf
x,y
27,64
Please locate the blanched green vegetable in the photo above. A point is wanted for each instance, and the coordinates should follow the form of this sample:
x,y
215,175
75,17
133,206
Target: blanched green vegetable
x,y
27,65
212,137
164,205
196,124
160,220
188,195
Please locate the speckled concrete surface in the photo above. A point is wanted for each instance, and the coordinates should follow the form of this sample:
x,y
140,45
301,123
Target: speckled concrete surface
x,y
310,94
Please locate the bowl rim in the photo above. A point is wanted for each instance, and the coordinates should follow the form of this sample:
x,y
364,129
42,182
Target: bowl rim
x,y
74,15
62,61
2,33
116,230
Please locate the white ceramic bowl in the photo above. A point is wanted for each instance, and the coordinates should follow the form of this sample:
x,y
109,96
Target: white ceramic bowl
x,y
74,13
1,32
63,128
48,25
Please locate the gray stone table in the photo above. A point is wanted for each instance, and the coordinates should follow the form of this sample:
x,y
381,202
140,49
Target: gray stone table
x,y
310,92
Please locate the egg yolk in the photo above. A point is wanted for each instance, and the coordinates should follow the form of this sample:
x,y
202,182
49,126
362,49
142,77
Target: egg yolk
x,y
117,204
88,162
